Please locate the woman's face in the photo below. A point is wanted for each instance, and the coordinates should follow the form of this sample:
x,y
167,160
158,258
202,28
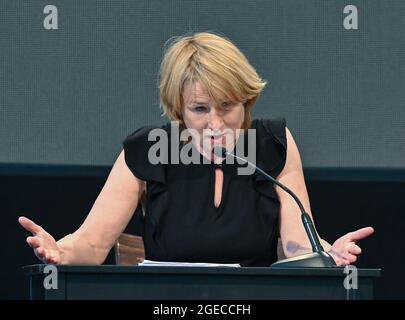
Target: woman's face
x,y
216,125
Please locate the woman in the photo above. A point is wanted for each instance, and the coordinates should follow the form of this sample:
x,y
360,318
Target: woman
x,y
201,212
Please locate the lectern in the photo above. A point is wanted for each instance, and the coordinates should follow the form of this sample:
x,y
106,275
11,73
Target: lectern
x,y
183,283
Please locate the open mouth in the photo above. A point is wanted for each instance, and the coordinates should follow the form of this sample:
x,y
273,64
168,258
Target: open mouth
x,y
218,139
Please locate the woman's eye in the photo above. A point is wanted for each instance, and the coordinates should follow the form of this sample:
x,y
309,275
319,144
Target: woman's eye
x,y
227,104
200,109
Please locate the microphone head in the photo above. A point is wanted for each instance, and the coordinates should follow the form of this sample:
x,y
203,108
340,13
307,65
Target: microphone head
x,y
219,151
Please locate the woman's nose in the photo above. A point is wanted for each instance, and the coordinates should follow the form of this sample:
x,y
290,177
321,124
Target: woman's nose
x,y
215,121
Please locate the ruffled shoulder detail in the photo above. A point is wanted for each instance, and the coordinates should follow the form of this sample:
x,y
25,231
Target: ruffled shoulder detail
x,y
136,148
271,146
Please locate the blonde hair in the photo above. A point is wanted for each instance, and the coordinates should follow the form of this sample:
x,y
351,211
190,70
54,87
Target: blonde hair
x,y
216,63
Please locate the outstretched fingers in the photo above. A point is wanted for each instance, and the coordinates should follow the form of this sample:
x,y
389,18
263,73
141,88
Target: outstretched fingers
x,y
360,234
354,249
29,225
34,242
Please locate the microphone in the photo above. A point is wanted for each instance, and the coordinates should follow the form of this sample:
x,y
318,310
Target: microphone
x,y
318,258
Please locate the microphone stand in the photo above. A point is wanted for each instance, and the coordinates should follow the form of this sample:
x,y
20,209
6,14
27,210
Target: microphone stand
x,y
319,258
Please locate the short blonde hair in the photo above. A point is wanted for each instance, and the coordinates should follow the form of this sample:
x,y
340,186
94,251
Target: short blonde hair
x,y
216,63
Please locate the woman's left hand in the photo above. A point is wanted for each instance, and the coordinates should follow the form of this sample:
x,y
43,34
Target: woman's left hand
x,y
345,250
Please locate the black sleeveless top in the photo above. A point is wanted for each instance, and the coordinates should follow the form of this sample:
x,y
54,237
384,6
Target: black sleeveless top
x,y
181,222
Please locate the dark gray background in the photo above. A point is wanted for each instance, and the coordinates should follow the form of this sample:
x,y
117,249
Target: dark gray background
x,y
70,96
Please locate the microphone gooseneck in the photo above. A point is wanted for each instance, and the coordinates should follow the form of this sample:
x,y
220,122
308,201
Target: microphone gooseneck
x,y
319,258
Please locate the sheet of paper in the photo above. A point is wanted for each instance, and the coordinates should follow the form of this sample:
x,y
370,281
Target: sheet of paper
x,y
186,264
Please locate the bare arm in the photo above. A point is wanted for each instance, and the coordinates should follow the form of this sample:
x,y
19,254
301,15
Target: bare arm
x,y
293,236
106,220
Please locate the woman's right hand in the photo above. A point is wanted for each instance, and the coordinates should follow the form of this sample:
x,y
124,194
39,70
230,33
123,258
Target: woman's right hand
x,y
44,245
